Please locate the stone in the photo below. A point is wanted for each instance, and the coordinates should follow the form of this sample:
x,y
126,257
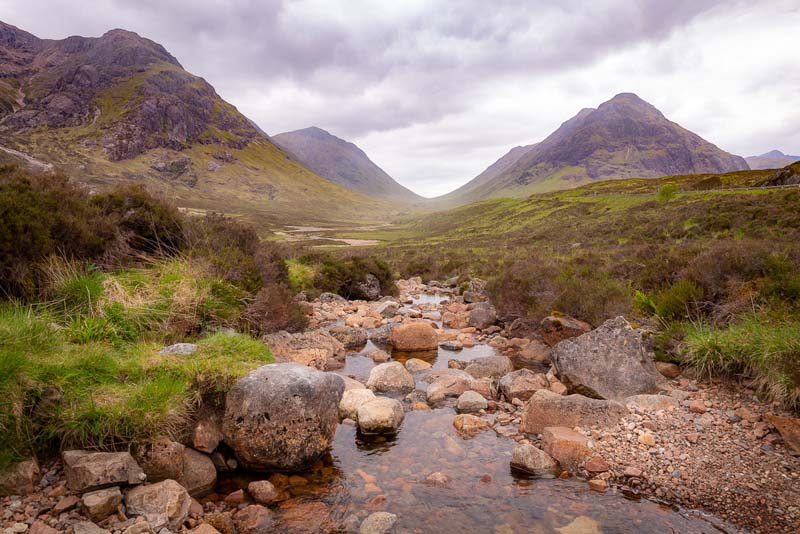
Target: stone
x,y
437,479
490,366
482,316
39,527
387,309
315,348
451,384
596,464
547,409
254,519
379,356
100,504
381,415
352,400
417,336
87,527
20,478
486,386
632,472
86,471
390,377
199,474
235,498
204,528
160,459
668,370
207,433
367,289
652,403
470,402
378,523
415,365
534,353
181,349
451,345
140,527
598,484
788,428
522,384
470,425
534,461
611,362
569,448
65,504
697,406
282,416
332,298
163,504
263,491
350,337
647,439
555,329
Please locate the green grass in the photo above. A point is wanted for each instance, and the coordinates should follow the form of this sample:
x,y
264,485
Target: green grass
x,y
301,275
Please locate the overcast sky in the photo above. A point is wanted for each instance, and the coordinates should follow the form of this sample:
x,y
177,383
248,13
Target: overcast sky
x,y
436,90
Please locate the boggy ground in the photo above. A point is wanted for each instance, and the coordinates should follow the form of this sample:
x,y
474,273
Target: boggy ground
x,y
704,446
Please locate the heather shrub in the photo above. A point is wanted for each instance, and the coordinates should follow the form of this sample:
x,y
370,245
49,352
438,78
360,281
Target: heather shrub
x,y
273,309
338,274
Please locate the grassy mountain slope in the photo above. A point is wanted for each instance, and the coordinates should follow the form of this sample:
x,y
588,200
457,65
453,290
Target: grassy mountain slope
x,y
342,162
623,138
119,108
774,159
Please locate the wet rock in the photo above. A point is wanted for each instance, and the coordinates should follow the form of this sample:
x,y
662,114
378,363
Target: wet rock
x,y
263,491
471,402
390,377
381,415
487,387
199,474
789,429
316,348
350,383
668,370
411,337
490,366
482,316
566,446
164,504
534,461
160,459
381,335
546,408
378,523
598,484
352,400
254,519
610,362
387,309
437,480
87,527
20,478
451,384
101,503
379,356
470,425
534,353
350,337
652,403
522,384
86,470
282,416
415,365
452,345
181,349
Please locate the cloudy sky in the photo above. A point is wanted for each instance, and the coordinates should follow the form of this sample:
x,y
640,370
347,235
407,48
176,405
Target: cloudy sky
x,y
436,90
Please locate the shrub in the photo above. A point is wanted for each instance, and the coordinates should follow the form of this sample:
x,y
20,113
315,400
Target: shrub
x,y
667,193
273,309
337,274
677,301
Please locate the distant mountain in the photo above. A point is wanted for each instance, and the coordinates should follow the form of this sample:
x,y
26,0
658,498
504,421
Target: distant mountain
x,y
120,108
774,159
623,138
341,162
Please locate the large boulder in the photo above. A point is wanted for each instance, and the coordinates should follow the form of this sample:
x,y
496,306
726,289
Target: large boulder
x,y
352,401
534,461
160,459
87,470
381,415
546,408
20,478
557,328
610,362
490,366
316,348
789,429
482,315
282,416
390,377
163,505
522,384
475,291
350,337
417,336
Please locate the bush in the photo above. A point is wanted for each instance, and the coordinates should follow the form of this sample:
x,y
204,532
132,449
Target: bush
x,y
273,309
337,274
677,301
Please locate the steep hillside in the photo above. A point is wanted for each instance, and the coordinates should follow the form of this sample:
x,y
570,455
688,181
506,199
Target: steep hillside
x,y
623,138
774,159
341,162
120,108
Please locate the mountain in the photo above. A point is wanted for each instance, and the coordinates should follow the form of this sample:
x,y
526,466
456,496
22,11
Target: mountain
x,y
623,138
341,162
120,108
774,159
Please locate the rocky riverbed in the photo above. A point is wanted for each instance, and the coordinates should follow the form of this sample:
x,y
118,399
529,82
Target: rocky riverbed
x,y
434,418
